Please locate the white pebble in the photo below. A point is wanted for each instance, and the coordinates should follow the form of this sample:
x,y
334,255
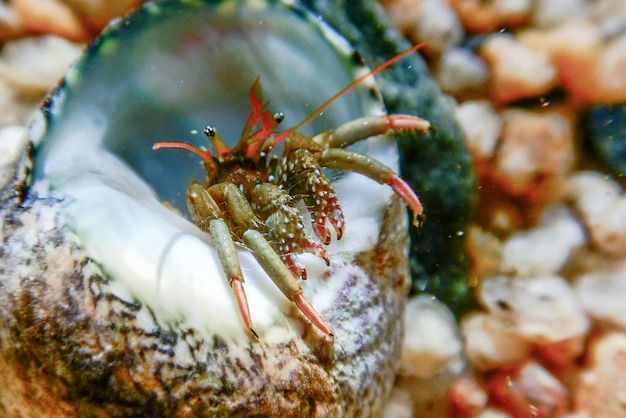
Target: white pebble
x,y
538,309
546,248
535,147
487,16
432,342
461,70
610,68
489,345
603,294
399,404
601,389
517,71
590,63
35,65
467,396
404,14
439,26
602,205
542,389
481,125
550,13
513,7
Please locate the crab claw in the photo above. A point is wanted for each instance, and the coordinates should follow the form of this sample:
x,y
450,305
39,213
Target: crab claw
x,y
337,220
352,161
242,301
296,268
330,212
319,251
282,276
407,194
307,308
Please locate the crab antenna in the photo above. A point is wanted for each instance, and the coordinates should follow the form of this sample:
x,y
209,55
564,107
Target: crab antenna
x,y
344,90
204,154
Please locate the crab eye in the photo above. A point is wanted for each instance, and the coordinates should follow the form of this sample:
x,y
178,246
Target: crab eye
x,y
210,131
278,117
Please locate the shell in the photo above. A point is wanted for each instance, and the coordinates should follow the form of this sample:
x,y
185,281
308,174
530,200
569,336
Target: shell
x,y
114,304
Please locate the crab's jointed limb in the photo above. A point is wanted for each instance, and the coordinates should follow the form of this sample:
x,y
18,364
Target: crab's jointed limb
x,y
331,153
368,126
347,160
207,216
205,209
301,174
282,277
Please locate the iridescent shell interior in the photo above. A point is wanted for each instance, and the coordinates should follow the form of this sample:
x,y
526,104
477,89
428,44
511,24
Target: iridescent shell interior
x,y
163,74
168,71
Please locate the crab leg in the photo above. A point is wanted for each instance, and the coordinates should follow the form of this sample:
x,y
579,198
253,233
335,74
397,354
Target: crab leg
x,y
266,256
202,207
367,126
353,161
282,277
230,264
303,177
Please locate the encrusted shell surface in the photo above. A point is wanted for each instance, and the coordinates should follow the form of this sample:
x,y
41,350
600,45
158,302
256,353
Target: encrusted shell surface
x,y
113,304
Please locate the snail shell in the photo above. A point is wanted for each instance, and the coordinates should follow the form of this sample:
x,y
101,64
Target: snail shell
x,y
113,303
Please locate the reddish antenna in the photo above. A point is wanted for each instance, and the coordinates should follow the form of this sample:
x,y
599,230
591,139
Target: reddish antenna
x,y
343,91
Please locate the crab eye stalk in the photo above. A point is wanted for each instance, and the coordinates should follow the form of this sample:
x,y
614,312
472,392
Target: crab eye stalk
x,y
221,149
279,117
210,131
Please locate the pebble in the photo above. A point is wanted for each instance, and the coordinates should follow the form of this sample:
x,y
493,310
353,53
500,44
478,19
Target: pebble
x,y
404,14
589,65
75,20
517,71
459,71
610,74
432,339
485,252
438,26
601,388
535,153
545,249
33,66
550,13
603,292
489,345
97,13
602,206
49,17
399,405
530,391
9,22
542,389
429,396
540,309
482,137
466,397
485,16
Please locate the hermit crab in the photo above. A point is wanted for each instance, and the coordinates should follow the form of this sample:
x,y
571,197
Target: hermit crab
x,y
251,195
